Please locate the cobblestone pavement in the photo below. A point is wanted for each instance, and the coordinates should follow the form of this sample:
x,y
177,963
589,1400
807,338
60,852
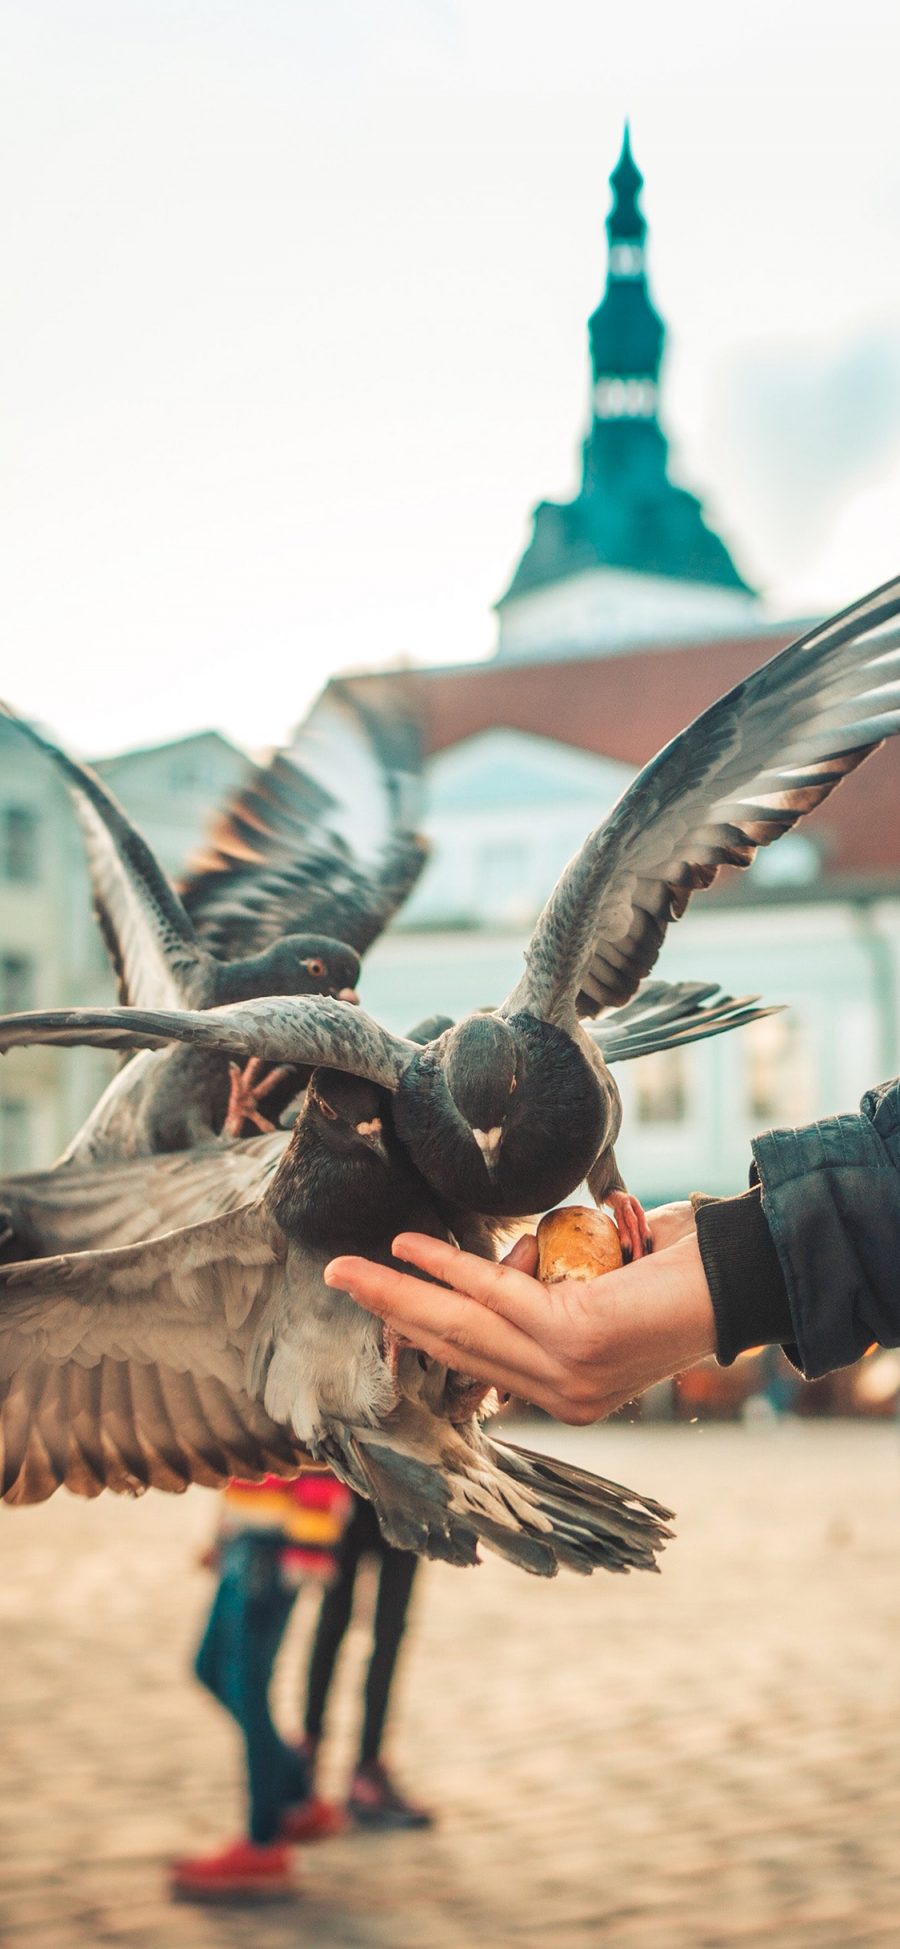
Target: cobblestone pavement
x,y
711,1757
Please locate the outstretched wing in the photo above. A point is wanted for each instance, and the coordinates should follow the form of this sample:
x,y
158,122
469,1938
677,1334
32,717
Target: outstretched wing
x,y
742,774
319,840
77,1209
158,959
305,1030
129,1367
667,1015
128,1426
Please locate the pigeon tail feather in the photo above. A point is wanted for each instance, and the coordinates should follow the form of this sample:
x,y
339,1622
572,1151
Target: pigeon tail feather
x,y
538,1512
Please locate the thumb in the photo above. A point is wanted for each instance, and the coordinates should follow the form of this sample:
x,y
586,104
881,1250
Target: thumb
x,y
523,1256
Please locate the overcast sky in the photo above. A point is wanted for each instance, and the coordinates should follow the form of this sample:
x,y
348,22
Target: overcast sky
x,y
292,327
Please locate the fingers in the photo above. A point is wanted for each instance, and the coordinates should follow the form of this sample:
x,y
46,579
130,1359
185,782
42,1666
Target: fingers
x,y
448,1326
523,1255
669,1223
503,1288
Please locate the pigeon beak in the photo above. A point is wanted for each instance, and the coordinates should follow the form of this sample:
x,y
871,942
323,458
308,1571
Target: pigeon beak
x,y
489,1142
348,995
371,1134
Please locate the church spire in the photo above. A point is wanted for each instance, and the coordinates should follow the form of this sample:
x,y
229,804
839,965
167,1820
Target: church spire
x,y
632,552
626,333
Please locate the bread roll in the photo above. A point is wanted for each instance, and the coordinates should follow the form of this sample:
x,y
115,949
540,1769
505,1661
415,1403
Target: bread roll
x,y
576,1242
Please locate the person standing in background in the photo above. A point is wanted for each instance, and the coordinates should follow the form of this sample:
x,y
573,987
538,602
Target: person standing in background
x,y
374,1799
273,1536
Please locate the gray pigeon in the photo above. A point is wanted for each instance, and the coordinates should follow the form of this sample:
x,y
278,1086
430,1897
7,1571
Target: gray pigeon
x,y
286,853
180,1356
510,1110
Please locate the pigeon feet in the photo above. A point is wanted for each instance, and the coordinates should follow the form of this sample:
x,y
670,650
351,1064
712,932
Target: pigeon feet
x,y
631,1225
474,1397
392,1345
246,1090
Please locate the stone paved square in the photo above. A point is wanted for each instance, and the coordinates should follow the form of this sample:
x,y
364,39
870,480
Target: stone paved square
x,y
706,1758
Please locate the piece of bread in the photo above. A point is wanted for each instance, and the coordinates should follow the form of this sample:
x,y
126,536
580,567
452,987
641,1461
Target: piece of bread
x,y
576,1242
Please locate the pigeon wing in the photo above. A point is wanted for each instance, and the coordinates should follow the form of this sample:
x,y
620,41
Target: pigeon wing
x,y
158,959
128,1426
305,1030
128,1368
738,777
667,1015
79,1209
320,839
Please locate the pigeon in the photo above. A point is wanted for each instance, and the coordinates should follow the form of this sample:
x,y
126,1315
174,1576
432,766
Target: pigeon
x,y
511,1109
106,1421
280,858
663,1015
170,1358
325,833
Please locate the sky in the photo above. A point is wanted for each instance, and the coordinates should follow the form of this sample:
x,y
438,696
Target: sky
x,y
293,323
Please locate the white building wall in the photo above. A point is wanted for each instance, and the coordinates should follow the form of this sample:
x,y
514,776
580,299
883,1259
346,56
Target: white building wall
x,y
46,919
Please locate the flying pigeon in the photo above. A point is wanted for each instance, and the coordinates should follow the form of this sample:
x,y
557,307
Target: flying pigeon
x,y
323,835
507,1112
180,1357
282,858
663,1015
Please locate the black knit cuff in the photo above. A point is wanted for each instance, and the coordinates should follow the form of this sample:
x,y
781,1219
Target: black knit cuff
x,y
743,1272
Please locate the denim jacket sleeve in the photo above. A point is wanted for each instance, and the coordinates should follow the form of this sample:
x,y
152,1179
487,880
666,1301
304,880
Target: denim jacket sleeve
x,y
831,1197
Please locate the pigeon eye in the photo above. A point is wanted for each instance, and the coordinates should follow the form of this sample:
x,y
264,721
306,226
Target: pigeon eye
x,y
512,1086
326,1110
316,968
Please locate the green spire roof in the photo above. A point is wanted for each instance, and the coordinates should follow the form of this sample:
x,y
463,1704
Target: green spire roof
x,y
628,514
626,223
626,333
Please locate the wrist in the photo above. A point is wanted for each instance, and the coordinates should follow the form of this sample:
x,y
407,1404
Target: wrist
x,y
650,1321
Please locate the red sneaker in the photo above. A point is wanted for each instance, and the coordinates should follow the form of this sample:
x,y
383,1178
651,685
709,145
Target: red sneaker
x,y
242,1871
312,1820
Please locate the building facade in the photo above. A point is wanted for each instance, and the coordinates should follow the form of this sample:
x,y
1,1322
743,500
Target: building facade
x,y
51,950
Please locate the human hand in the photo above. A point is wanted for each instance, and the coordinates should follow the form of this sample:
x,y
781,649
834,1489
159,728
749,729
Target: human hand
x,y
668,1224
578,1349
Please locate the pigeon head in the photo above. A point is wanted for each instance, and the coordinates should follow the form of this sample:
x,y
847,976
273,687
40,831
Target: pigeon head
x,y
307,964
347,1112
479,1063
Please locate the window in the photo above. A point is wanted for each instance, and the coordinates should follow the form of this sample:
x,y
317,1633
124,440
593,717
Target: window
x,y
18,843
780,1083
15,1135
16,983
661,1093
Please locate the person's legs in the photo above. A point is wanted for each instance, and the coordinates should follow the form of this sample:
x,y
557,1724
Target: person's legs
x,y
235,1660
334,1617
276,1774
210,1659
374,1800
395,1582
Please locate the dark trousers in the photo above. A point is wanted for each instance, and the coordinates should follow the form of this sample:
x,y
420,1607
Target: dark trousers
x,y
397,1569
244,1630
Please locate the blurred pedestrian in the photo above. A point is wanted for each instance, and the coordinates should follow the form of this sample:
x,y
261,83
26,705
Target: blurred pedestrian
x,y
273,1536
374,1799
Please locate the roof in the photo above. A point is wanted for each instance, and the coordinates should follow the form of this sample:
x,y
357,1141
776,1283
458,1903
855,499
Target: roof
x,y
627,706
628,513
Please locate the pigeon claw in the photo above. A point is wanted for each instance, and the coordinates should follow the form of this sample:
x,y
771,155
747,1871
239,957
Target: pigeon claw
x,y
247,1087
392,1345
631,1225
